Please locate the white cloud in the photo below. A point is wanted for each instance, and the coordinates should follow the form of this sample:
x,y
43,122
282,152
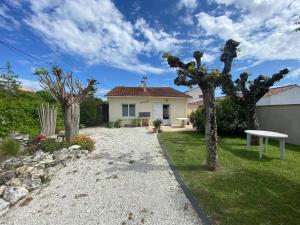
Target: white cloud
x,y
188,4
264,28
32,84
97,31
7,21
294,73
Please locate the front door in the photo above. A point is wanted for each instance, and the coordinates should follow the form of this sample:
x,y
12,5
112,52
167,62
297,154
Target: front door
x,y
157,111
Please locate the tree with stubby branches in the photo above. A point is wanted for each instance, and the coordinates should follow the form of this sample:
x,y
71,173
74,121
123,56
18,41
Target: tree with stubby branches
x,y
69,93
195,73
248,93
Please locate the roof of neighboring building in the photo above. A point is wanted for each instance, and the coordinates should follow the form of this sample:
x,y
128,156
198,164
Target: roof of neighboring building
x,y
151,92
278,90
26,89
200,102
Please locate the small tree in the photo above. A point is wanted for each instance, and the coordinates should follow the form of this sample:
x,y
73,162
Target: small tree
x,y
8,79
195,73
69,93
248,93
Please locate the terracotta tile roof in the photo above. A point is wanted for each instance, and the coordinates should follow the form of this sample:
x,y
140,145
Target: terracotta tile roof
x,y
151,92
278,90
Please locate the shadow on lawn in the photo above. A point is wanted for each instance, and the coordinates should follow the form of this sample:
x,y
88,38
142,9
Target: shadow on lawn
x,y
251,197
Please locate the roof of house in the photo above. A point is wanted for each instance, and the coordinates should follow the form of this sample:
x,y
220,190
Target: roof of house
x,y
151,92
278,90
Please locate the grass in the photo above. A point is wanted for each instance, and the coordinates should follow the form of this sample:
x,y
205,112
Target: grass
x,y
244,190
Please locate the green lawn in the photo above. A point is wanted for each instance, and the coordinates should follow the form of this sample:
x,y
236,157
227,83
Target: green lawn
x,y
244,190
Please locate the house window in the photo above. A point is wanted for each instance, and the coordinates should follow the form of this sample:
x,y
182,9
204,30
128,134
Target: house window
x,y
128,110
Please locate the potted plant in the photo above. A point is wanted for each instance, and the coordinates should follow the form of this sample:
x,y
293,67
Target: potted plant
x,y
157,124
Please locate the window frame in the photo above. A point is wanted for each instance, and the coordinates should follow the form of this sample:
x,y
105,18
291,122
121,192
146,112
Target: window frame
x,y
128,105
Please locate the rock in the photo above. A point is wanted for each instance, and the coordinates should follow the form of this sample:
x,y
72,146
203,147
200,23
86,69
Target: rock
x,y
14,182
23,170
2,188
11,164
37,173
14,194
61,156
6,176
31,184
74,147
4,206
52,170
85,152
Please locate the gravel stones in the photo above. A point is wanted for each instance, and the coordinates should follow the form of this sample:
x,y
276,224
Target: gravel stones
x,y
4,206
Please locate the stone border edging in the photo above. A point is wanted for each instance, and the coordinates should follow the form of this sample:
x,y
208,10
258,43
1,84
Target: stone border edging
x,y
203,216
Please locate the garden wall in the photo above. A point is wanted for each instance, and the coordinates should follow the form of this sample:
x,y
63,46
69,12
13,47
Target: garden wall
x,y
281,118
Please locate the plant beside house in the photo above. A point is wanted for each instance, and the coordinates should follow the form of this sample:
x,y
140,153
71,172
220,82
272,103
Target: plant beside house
x,y
136,122
157,124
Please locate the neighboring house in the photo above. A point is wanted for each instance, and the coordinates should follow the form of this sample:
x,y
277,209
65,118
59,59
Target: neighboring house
x,y
279,111
197,98
147,103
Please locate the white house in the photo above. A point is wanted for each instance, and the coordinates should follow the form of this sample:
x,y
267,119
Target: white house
x,y
147,103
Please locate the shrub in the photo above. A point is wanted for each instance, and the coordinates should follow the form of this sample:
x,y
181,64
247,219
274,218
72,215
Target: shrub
x,y
231,119
136,122
9,147
85,142
157,123
90,111
117,123
51,145
197,118
110,124
19,113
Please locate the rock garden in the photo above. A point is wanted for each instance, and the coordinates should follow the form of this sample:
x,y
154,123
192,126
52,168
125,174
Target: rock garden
x,y
35,164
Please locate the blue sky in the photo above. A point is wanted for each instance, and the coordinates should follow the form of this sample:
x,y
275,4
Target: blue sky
x,y
118,42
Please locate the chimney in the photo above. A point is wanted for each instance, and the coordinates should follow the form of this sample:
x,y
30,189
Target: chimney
x,y
144,84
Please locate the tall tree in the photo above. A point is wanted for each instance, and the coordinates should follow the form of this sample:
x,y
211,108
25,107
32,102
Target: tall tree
x,y
195,73
69,93
248,93
8,78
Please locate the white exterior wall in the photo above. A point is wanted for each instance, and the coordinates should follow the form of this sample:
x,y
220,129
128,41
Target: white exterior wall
x,y
289,97
194,93
178,107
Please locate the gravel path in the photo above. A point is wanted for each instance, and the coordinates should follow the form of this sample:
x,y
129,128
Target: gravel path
x,y
126,180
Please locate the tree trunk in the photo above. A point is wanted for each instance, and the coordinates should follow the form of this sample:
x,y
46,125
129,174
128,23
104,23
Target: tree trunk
x,y
252,121
71,115
210,127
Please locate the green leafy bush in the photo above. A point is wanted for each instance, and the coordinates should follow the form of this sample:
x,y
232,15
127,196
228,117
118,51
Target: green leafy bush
x,y
117,123
110,124
197,118
19,113
86,142
231,119
9,147
136,122
51,145
90,112
157,123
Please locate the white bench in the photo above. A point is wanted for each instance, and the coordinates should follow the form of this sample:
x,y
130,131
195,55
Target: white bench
x,y
183,121
266,135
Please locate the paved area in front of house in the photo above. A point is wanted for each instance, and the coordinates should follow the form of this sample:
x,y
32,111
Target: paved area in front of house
x,y
126,180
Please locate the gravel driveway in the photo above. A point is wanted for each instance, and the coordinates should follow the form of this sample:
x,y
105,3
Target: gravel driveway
x,y
126,180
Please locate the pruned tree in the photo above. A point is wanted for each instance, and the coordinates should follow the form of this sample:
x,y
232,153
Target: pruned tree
x,y
195,73
248,93
69,93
